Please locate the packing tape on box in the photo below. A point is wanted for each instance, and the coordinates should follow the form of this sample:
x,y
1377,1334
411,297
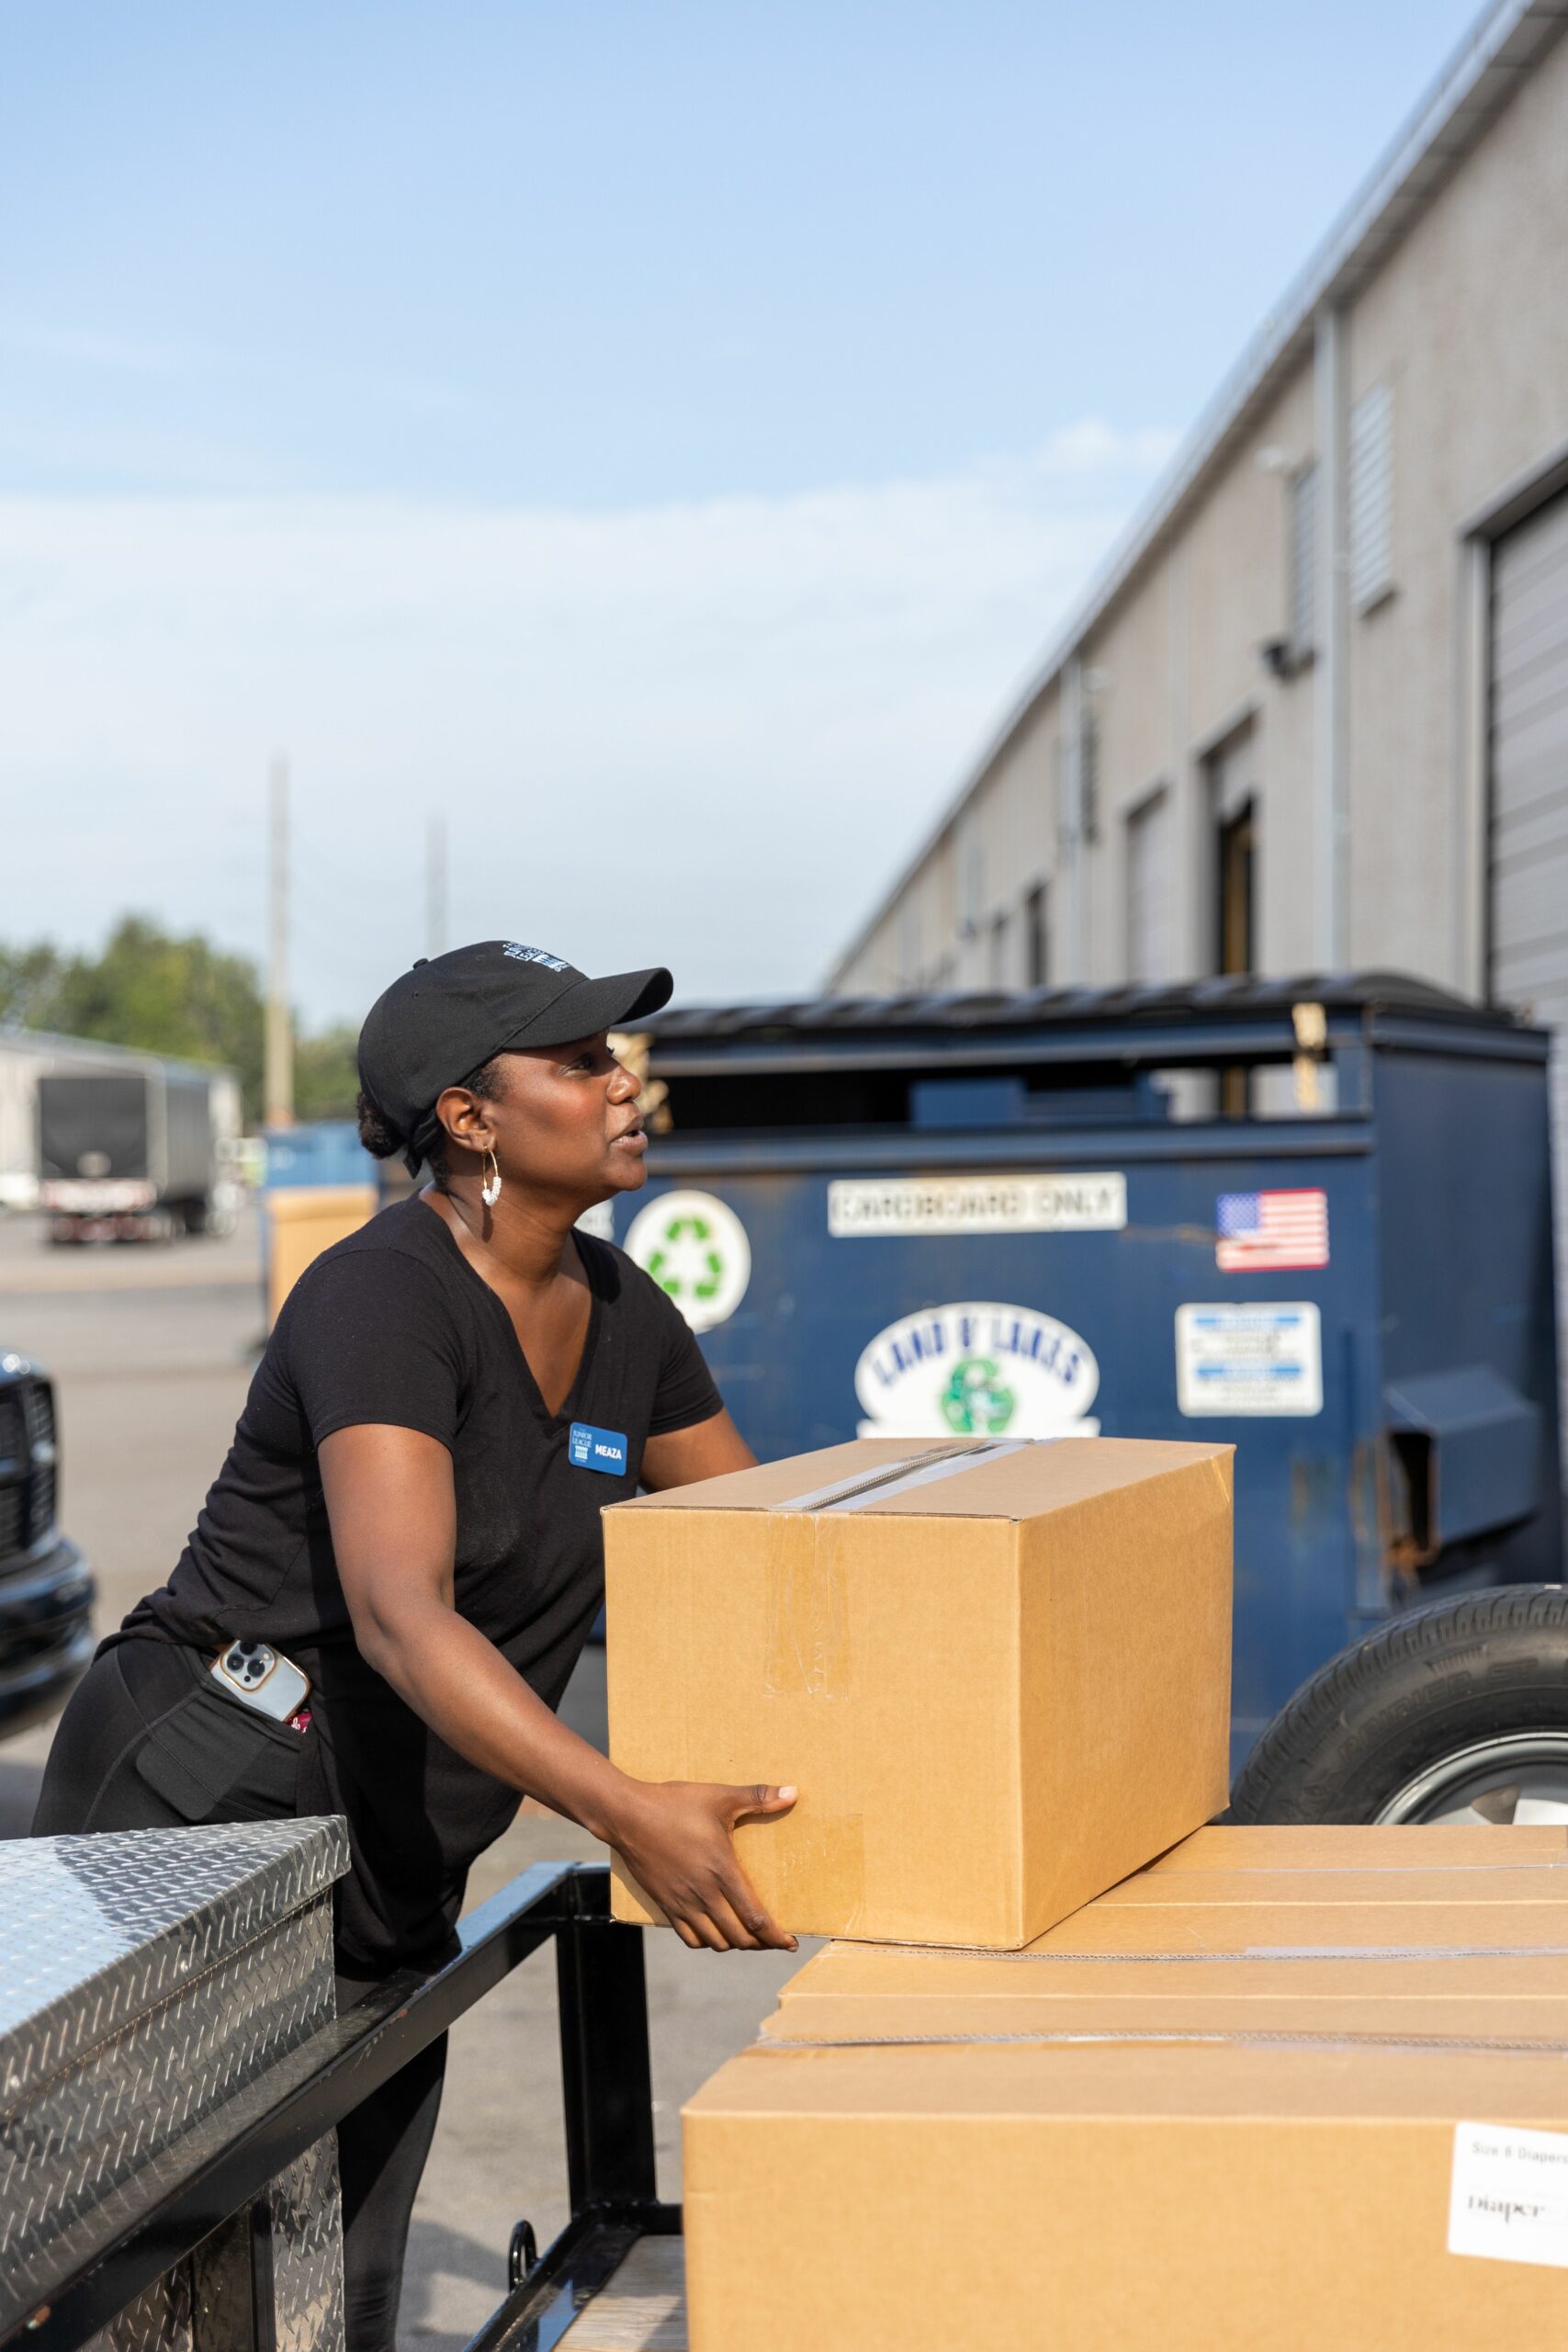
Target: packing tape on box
x,y
1240,1951
807,1654
1255,2037
866,1487
1352,1869
1402,1951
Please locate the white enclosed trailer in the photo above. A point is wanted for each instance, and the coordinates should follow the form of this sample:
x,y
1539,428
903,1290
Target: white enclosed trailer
x,y
114,1143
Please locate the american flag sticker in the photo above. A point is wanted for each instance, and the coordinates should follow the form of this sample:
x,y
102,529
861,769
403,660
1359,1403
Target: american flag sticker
x,y
1260,1232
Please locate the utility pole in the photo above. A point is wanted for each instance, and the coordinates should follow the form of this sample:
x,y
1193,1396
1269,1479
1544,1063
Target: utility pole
x,y
279,1088
435,887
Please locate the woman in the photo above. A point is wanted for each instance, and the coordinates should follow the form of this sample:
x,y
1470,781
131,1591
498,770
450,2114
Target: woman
x,y
400,1522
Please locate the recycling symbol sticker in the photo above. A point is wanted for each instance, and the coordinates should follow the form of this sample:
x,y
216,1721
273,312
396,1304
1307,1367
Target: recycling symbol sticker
x,y
694,1247
976,1400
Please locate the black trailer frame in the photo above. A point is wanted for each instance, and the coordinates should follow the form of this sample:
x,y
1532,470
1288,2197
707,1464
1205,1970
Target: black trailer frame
x,y
609,2124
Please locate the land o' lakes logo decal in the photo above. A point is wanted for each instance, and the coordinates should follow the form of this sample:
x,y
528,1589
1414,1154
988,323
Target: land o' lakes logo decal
x,y
695,1249
978,1369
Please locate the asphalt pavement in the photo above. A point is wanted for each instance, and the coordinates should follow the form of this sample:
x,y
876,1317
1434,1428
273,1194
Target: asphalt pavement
x,y
151,1349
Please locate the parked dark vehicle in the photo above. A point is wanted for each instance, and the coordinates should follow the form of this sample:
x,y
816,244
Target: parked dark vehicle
x,y
46,1586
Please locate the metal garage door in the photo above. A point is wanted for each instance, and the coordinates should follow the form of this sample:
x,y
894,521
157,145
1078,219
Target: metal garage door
x,y
1530,806
1151,910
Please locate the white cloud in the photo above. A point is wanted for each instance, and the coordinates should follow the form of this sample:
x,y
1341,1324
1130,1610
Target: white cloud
x,y
705,734
87,348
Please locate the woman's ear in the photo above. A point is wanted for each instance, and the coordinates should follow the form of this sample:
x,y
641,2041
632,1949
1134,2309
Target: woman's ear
x,y
463,1117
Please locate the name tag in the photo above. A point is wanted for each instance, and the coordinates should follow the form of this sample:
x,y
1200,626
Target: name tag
x,y
592,1449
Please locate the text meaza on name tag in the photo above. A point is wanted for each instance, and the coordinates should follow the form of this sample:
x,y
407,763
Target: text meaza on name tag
x,y
591,1449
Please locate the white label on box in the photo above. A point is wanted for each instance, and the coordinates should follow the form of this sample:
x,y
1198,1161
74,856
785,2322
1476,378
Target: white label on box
x,y
1509,2198
858,1209
1252,1358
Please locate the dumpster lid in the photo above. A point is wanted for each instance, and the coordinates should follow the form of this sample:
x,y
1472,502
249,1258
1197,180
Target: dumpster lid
x,y
1128,1006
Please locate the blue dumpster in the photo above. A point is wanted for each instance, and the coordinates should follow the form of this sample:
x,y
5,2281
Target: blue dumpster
x,y
318,1151
1311,1217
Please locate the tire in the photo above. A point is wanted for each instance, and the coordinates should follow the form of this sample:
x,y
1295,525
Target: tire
x,y
1456,1711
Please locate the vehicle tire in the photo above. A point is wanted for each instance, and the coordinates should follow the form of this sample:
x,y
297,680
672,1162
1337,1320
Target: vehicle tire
x,y
1456,1711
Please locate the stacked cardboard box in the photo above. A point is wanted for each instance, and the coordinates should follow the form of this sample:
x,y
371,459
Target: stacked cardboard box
x,y
1299,2089
1295,2088
997,1672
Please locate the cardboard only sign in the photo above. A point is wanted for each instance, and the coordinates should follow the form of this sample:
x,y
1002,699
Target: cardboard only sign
x,y
999,1674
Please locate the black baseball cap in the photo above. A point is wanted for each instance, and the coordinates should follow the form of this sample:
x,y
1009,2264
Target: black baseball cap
x,y
439,1022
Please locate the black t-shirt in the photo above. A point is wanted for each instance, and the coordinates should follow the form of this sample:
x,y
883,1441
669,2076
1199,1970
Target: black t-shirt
x,y
394,1324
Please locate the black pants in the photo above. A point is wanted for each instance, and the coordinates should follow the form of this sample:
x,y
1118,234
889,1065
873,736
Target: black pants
x,y
147,1742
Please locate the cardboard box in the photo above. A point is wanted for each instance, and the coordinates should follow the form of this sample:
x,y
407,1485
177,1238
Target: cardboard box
x,y
1310,2140
1284,1920
999,1675
1230,1889
1372,1845
1120,2196
301,1221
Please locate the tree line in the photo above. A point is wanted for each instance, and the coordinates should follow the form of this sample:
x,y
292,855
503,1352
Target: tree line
x,y
151,988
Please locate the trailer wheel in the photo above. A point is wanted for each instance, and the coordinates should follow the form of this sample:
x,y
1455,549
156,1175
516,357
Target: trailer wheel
x,y
1457,1712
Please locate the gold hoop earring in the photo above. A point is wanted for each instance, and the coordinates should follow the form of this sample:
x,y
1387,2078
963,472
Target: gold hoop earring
x,y
489,1191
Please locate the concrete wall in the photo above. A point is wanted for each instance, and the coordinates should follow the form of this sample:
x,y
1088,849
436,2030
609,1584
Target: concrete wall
x,y
1467,321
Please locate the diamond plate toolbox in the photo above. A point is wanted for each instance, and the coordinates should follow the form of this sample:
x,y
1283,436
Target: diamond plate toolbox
x,y
147,1978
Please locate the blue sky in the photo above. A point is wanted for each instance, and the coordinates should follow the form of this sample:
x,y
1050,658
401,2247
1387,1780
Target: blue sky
x,y
658,436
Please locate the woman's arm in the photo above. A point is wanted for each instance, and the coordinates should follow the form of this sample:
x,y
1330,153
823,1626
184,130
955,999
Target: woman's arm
x,y
706,1450
389,1500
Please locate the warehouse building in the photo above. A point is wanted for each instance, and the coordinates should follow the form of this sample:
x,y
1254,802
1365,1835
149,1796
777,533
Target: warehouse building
x,y
1314,713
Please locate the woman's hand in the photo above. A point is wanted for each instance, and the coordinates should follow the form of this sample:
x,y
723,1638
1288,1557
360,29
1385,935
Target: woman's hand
x,y
675,1839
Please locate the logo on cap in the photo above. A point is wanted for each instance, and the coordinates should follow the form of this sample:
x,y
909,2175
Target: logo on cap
x,y
535,955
